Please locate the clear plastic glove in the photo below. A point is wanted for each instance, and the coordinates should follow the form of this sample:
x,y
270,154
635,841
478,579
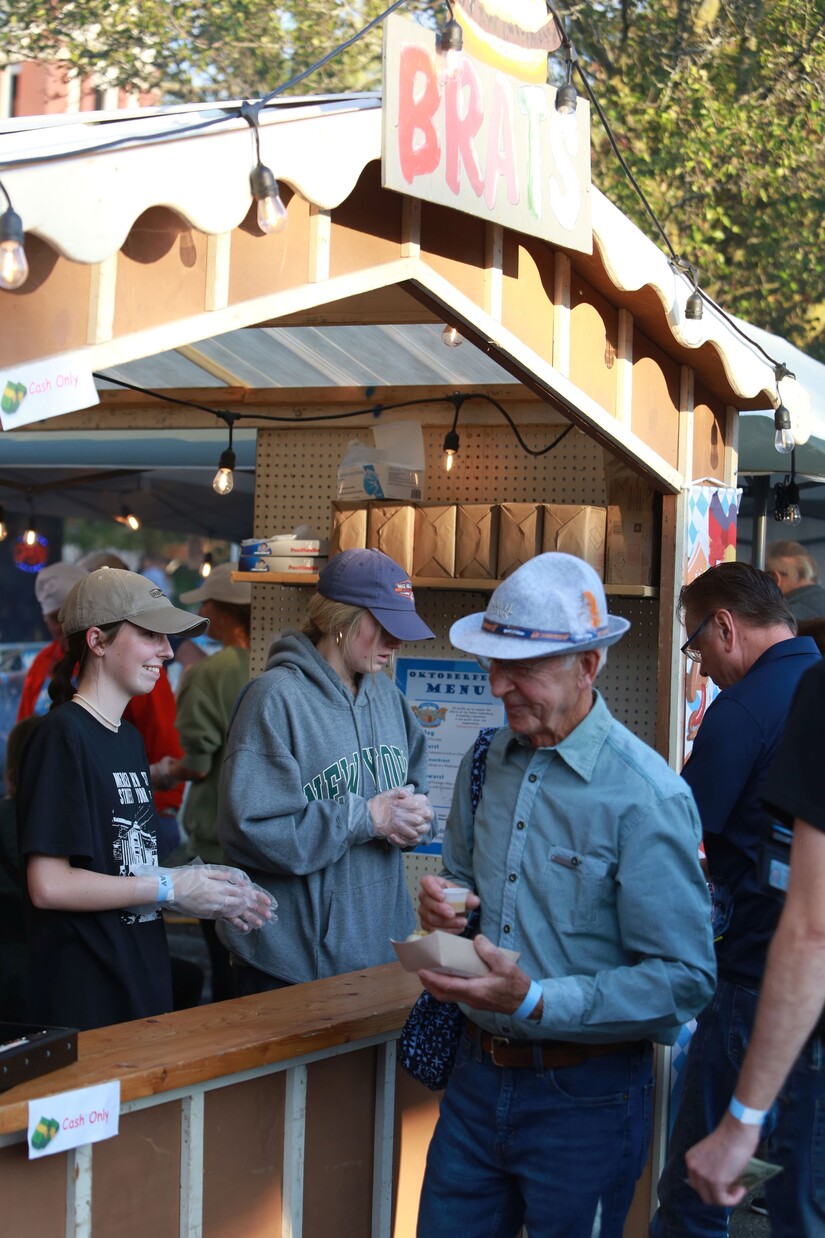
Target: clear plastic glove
x,y
401,815
214,892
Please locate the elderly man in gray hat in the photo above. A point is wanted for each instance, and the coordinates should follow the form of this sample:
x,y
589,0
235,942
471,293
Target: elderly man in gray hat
x,y
582,855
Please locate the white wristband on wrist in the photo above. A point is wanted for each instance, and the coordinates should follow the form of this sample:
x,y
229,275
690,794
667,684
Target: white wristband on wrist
x,y
748,1117
531,1000
165,888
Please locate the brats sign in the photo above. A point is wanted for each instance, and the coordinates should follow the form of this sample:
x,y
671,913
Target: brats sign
x,y
482,141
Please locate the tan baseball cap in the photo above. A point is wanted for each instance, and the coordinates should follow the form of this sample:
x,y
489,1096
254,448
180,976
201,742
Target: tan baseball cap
x,y
220,587
111,595
54,583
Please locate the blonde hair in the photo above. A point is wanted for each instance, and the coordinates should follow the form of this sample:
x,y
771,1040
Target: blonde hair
x,y
339,619
326,617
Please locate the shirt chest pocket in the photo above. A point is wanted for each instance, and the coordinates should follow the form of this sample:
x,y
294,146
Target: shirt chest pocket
x,y
577,888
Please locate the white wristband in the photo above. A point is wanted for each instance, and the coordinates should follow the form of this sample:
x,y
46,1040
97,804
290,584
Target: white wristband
x,y
165,888
531,1000
748,1117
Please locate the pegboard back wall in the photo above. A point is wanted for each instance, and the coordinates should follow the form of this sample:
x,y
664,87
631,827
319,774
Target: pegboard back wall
x,y
295,484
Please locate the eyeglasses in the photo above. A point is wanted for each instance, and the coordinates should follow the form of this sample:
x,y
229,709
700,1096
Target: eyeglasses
x,y
515,670
695,655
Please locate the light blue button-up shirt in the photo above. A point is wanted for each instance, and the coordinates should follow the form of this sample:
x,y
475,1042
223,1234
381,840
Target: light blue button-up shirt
x,y
585,857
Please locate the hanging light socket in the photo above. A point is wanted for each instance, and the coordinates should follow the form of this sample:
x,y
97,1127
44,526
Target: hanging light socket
x,y
451,439
128,518
272,215
223,481
786,507
14,268
783,439
450,45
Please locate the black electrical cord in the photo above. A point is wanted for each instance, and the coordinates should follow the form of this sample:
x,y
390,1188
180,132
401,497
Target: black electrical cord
x,y
375,410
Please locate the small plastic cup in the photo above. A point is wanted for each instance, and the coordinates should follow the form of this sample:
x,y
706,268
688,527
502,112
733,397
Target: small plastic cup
x,y
456,896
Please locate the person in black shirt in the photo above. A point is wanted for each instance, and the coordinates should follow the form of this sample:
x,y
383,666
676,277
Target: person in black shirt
x,y
97,947
787,1049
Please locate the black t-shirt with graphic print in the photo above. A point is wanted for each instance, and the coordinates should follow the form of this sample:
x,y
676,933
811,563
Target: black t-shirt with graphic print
x,y
85,794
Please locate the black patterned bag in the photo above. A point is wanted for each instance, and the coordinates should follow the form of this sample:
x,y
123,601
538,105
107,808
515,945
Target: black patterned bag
x,y
429,1039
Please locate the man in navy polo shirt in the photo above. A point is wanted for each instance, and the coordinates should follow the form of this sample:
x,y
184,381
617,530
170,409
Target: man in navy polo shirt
x,y
743,634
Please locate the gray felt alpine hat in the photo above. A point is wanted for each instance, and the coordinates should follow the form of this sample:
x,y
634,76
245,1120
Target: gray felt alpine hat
x,y
554,603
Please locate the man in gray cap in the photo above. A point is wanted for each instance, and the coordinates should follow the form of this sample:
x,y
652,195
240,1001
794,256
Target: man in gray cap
x,y
206,698
582,855
52,585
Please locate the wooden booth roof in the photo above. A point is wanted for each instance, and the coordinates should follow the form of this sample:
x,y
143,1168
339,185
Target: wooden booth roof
x,y
141,238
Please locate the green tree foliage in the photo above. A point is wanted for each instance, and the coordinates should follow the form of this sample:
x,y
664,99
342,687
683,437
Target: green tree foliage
x,y
221,49
718,106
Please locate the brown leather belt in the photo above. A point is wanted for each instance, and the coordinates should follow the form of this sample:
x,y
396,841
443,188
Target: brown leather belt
x,y
554,1054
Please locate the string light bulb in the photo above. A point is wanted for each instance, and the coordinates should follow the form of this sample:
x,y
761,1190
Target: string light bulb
x,y
206,566
451,439
783,439
128,518
14,269
272,215
224,480
451,337
30,535
4,532
786,506
567,96
450,45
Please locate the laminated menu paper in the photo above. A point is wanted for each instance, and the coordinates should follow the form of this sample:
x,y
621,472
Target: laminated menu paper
x,y
519,535
434,544
476,541
576,530
391,528
349,528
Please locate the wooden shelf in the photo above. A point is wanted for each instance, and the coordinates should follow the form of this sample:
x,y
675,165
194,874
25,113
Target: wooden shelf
x,y
432,582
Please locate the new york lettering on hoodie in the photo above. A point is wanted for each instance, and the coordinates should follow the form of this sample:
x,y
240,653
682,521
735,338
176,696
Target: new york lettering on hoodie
x,y
303,757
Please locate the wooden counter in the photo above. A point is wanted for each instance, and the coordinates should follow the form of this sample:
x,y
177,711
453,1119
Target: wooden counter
x,y
152,1056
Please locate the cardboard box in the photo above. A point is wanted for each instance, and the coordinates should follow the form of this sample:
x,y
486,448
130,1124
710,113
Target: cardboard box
x,y
519,535
279,563
576,530
629,557
434,540
391,528
444,952
349,527
476,541
379,480
284,544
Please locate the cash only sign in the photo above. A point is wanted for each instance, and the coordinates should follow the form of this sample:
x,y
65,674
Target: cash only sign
x,y
474,137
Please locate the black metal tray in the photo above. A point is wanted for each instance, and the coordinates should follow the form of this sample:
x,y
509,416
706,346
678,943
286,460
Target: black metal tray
x,y
41,1049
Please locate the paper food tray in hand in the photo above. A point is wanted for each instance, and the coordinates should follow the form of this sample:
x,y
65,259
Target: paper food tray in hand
x,y
444,952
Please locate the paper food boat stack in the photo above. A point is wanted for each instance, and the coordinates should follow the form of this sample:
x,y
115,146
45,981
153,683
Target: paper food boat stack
x,y
444,952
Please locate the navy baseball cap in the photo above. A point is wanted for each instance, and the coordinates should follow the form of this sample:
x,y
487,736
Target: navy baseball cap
x,y
371,579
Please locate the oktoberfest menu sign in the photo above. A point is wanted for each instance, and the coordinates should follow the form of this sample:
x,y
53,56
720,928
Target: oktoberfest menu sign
x,y
452,701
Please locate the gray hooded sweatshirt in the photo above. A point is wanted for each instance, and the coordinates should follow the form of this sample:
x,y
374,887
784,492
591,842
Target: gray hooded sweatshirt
x,y
302,759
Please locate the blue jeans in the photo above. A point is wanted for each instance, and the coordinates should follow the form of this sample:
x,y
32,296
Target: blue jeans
x,y
714,1057
550,1149
796,1197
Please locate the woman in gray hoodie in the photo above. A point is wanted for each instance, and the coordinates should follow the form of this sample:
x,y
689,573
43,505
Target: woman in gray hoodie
x,y
324,782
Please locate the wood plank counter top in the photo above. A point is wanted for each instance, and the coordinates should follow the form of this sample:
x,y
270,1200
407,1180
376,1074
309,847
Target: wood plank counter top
x,y
171,1051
